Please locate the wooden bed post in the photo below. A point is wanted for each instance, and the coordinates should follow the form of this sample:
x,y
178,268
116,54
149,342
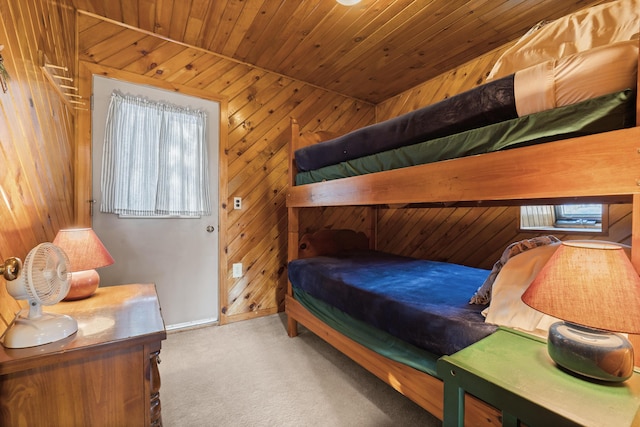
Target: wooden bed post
x,y
635,231
635,260
293,221
292,325
372,213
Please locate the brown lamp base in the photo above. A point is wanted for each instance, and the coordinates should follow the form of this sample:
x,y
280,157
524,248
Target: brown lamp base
x,y
82,285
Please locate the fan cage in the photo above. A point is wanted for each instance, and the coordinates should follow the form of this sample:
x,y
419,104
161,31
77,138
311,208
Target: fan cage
x,y
48,261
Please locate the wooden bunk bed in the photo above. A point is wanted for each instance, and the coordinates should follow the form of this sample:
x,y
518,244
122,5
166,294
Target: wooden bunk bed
x,y
602,168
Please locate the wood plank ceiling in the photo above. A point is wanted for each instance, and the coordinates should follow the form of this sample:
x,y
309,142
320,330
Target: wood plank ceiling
x,y
371,51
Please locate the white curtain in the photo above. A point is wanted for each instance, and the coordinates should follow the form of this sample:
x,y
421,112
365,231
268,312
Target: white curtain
x,y
154,160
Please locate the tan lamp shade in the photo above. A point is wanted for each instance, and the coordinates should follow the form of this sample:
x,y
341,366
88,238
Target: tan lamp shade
x,y
589,284
86,253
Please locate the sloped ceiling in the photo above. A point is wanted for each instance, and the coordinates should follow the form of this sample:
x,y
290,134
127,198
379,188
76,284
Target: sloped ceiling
x,y
371,51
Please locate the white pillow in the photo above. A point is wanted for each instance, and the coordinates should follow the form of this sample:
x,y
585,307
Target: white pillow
x,y
507,308
599,25
578,77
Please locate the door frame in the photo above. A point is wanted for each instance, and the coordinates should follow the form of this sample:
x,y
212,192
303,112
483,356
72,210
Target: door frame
x,y
83,155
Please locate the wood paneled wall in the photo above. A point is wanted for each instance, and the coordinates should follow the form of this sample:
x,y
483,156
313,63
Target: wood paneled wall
x,y
471,236
254,153
36,131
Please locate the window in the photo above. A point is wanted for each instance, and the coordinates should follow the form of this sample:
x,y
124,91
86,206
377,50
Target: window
x,y
155,160
577,215
572,218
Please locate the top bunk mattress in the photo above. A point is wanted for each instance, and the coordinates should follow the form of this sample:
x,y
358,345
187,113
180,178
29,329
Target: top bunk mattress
x,y
605,113
424,303
490,103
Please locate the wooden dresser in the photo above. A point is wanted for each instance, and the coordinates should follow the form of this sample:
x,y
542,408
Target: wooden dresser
x,y
104,375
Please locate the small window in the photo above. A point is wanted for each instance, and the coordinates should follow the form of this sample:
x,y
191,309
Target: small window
x,y
570,218
567,215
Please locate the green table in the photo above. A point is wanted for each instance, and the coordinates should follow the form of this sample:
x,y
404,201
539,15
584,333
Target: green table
x,y
513,372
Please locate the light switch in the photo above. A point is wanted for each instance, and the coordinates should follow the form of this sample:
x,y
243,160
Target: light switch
x,y
237,270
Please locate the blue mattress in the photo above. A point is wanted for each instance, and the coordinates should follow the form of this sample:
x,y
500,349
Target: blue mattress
x,y
424,303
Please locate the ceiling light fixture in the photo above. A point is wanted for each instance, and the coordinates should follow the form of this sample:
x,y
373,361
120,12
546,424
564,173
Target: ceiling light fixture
x,y
348,2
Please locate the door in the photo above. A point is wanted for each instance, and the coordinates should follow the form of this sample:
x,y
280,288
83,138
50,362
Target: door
x,y
179,255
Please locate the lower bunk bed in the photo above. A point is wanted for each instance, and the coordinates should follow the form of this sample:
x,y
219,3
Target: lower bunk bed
x,y
395,315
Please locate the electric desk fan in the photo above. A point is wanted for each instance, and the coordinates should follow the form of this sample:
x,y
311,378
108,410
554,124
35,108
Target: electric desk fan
x,y
44,280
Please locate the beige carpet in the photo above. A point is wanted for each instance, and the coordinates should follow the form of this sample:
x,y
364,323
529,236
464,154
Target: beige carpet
x,y
252,374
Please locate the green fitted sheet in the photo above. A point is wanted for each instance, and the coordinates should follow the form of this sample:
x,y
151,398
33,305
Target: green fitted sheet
x,y
370,337
602,114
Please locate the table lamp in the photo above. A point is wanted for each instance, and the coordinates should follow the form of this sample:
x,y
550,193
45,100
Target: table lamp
x,y
86,253
595,290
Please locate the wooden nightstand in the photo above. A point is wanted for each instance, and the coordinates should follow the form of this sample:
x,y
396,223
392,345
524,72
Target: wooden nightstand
x,y
104,375
513,372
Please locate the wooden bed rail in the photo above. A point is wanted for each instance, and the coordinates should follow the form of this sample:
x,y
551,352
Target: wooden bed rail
x,y
580,167
422,388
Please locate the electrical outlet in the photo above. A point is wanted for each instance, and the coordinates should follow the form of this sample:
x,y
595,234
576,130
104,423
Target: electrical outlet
x,y
237,270
237,203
